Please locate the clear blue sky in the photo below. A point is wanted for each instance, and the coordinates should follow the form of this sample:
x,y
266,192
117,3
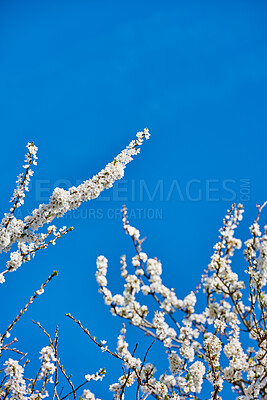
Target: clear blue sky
x,y
80,78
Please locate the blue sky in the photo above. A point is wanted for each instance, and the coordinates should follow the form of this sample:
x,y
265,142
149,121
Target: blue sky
x,y
80,79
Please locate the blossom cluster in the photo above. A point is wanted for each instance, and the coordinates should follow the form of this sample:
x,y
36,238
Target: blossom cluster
x,y
205,345
16,386
24,232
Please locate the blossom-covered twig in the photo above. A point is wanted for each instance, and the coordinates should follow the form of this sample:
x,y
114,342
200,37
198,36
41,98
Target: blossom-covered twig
x,y
23,232
37,293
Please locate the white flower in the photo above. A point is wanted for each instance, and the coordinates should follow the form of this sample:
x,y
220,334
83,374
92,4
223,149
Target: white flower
x,y
154,267
99,375
197,371
88,395
48,362
132,231
168,380
15,261
145,289
143,256
4,238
